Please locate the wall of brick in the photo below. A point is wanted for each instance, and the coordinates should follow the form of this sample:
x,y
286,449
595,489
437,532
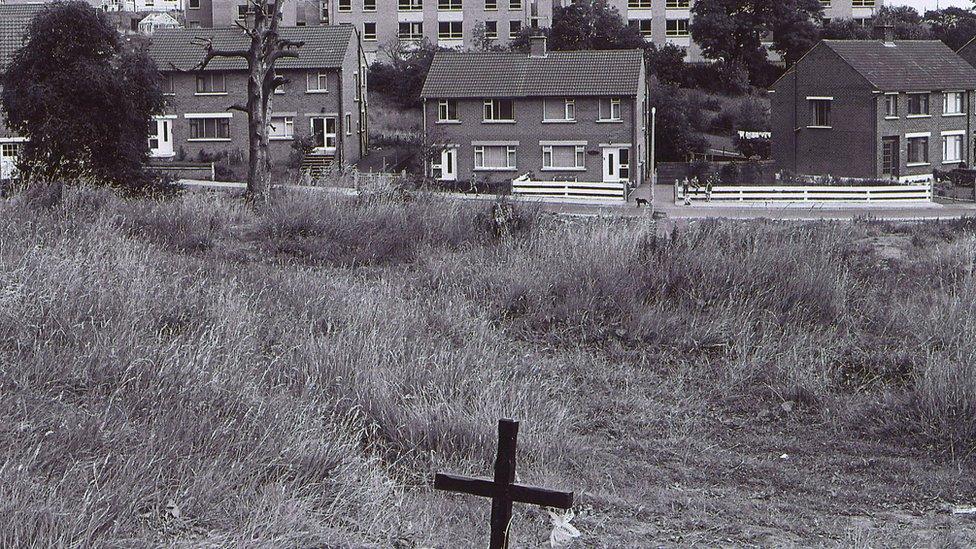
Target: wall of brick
x,y
529,130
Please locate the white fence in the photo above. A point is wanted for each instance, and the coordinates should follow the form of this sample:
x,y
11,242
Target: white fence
x,y
587,190
900,193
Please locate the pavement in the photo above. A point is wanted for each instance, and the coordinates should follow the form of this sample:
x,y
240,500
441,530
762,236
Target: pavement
x,y
660,204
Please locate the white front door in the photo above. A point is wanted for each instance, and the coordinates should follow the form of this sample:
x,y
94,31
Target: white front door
x,y
448,166
8,159
324,133
161,138
616,164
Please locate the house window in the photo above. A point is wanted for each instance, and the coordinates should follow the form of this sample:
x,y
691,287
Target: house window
x,y
514,5
514,27
863,3
449,5
316,82
954,103
559,110
819,112
677,4
499,110
410,31
918,150
494,157
447,110
348,123
167,85
952,148
491,5
643,26
209,129
410,5
281,127
324,12
193,4
918,104
242,12
449,30
563,157
610,110
10,150
491,29
369,31
213,83
639,4
677,28
344,5
369,5
891,105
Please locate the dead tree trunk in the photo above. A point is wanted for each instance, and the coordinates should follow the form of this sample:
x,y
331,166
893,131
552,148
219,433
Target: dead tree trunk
x,y
266,47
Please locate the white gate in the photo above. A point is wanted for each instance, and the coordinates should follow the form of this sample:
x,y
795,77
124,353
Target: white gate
x,y
580,190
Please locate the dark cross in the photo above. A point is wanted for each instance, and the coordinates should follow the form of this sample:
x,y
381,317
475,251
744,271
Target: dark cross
x,y
503,490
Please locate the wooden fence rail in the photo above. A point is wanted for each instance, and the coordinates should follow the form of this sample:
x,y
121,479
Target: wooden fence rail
x,y
592,190
900,193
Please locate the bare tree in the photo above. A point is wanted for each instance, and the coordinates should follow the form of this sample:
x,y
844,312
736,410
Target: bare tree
x,y
266,48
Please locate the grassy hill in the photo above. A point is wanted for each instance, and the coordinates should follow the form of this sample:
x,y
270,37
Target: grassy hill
x,y
194,373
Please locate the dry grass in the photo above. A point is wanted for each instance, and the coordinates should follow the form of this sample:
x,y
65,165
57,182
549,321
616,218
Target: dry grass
x,y
195,373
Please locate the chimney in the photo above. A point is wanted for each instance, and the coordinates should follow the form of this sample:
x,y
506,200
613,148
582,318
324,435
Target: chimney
x,y
537,46
887,32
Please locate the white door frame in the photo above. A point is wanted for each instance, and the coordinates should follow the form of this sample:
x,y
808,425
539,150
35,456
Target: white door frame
x,y
164,137
326,135
611,162
448,164
8,165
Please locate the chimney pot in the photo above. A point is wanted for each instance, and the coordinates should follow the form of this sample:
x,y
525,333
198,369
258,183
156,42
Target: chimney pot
x,y
537,46
887,34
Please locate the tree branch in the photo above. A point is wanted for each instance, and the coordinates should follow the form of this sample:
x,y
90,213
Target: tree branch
x,y
237,107
281,54
212,54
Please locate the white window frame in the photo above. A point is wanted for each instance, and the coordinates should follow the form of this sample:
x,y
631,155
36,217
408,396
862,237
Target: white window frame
x,y
410,35
211,76
369,37
928,146
579,156
616,112
893,96
928,105
511,157
490,112
960,137
319,77
569,111
962,103
288,125
210,115
813,100
447,112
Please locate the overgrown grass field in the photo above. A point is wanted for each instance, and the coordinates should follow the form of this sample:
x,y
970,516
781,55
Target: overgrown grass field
x,y
196,373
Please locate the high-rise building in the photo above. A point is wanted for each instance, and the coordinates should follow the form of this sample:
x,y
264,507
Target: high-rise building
x,y
462,23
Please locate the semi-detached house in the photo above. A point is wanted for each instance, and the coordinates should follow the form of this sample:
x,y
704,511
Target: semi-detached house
x,y
887,109
324,99
14,20
560,116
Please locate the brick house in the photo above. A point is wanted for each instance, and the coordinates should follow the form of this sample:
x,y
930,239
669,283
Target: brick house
x,y
573,115
874,109
324,99
14,19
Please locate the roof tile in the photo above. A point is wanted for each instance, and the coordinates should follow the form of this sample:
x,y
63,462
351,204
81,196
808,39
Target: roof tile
x,y
908,65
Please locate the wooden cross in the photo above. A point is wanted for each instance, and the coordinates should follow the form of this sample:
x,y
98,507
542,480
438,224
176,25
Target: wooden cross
x,y
503,490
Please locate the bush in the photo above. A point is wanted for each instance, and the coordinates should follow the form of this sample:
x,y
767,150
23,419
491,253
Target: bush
x,y
716,78
401,75
667,63
675,137
755,147
747,114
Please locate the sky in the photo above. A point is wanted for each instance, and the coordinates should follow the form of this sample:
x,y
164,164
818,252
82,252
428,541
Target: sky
x,y
922,5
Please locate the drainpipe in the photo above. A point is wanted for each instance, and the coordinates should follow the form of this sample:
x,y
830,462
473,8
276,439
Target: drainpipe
x,y
423,146
340,125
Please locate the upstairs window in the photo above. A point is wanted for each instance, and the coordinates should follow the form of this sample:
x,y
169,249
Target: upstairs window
x,y
449,30
316,82
514,5
324,12
677,4
891,105
344,5
819,112
514,27
559,110
410,5
410,30
677,28
369,5
643,26
449,5
491,5
918,104
193,4
954,102
447,110
499,110
211,83
167,85
610,110
369,31
639,4
491,30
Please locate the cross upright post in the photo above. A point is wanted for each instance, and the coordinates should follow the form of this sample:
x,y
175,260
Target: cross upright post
x,y
502,489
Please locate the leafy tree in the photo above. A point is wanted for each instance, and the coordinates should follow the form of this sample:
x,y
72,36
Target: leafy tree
x,y
954,26
402,76
265,47
83,101
666,62
481,41
907,23
733,30
674,136
588,25
845,29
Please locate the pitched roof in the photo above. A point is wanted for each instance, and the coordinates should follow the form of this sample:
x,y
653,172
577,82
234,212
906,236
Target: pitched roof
x,y
908,65
14,19
324,47
502,74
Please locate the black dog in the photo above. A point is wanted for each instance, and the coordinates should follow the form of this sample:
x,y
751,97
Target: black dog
x,y
641,202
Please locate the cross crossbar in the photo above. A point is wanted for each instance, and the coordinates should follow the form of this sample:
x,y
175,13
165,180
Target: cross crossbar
x,y
520,493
